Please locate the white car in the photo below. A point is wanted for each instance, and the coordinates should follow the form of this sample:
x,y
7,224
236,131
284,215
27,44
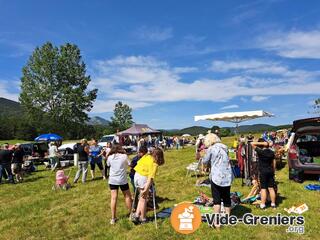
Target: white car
x,y
107,139
67,145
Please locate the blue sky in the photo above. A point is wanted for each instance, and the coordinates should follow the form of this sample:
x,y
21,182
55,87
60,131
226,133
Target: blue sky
x,y
171,60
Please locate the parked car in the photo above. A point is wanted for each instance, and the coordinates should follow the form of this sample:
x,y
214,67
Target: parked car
x,y
67,152
107,139
304,148
37,150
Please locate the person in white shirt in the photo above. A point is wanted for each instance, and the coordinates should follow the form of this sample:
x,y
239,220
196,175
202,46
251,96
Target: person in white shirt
x,y
118,162
53,155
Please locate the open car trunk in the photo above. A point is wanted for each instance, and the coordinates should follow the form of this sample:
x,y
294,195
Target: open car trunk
x,y
308,155
309,152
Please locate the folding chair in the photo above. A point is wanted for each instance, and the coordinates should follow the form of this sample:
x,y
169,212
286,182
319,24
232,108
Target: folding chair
x,y
195,167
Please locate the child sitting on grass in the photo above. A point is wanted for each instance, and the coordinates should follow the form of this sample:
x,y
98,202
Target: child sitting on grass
x,y
143,179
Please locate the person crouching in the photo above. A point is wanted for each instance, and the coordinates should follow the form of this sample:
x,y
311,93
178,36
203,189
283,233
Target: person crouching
x,y
143,179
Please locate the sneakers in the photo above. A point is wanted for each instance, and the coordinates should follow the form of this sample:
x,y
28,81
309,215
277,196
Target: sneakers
x,y
113,221
261,207
143,221
135,218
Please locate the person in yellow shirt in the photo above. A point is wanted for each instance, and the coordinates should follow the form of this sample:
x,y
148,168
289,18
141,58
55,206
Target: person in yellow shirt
x,y
235,143
145,172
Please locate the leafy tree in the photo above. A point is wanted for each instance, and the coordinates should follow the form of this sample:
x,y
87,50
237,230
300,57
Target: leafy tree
x,y
122,118
214,128
225,132
6,128
54,88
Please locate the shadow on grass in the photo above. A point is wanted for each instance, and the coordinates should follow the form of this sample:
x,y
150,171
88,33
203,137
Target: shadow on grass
x,y
32,179
280,166
162,199
240,210
280,199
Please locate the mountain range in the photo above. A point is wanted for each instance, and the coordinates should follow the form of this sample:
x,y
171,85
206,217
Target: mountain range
x,y
9,108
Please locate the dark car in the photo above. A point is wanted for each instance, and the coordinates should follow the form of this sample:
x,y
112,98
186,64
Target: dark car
x,y
304,148
36,150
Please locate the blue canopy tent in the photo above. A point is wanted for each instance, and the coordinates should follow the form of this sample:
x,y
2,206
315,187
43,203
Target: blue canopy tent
x,y
48,137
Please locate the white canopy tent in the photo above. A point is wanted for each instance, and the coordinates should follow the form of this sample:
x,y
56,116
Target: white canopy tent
x,y
234,117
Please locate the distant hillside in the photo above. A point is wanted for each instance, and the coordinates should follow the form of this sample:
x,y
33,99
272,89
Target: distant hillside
x,y
9,107
255,128
194,130
98,121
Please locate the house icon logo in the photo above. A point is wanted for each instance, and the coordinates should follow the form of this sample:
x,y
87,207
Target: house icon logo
x,y
185,218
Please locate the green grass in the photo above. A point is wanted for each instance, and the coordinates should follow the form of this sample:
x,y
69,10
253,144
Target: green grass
x,y
14,141
31,210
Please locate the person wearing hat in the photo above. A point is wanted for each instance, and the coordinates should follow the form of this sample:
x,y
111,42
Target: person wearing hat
x,y
199,145
17,160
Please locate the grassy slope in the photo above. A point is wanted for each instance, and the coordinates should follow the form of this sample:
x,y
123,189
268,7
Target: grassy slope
x,y
33,211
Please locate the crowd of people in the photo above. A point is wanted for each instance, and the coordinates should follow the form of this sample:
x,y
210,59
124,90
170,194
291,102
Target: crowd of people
x,y
143,168
214,155
11,163
172,142
113,163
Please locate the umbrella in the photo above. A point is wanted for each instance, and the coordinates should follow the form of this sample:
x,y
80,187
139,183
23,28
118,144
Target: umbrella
x,y
234,117
48,137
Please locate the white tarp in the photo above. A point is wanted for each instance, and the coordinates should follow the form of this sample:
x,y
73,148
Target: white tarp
x,y
235,117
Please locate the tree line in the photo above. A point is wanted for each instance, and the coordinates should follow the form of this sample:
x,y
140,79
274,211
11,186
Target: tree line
x,y
55,98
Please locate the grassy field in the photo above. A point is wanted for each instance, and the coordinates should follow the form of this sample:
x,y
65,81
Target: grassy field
x,y
31,210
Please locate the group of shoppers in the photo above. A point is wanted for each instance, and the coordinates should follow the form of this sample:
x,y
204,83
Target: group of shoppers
x,y
142,174
221,174
11,161
91,154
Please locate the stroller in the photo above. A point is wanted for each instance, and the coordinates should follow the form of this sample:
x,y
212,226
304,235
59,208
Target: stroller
x,y
61,181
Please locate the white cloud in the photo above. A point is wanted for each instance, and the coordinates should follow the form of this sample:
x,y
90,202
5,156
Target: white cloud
x,y
230,107
226,66
185,69
6,88
17,48
102,106
262,72
259,98
294,44
143,81
154,34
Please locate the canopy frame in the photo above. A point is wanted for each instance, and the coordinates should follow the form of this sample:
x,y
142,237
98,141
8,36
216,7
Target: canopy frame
x,y
235,117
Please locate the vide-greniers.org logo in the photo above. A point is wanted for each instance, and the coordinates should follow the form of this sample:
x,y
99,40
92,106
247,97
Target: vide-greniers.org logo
x,y
186,219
